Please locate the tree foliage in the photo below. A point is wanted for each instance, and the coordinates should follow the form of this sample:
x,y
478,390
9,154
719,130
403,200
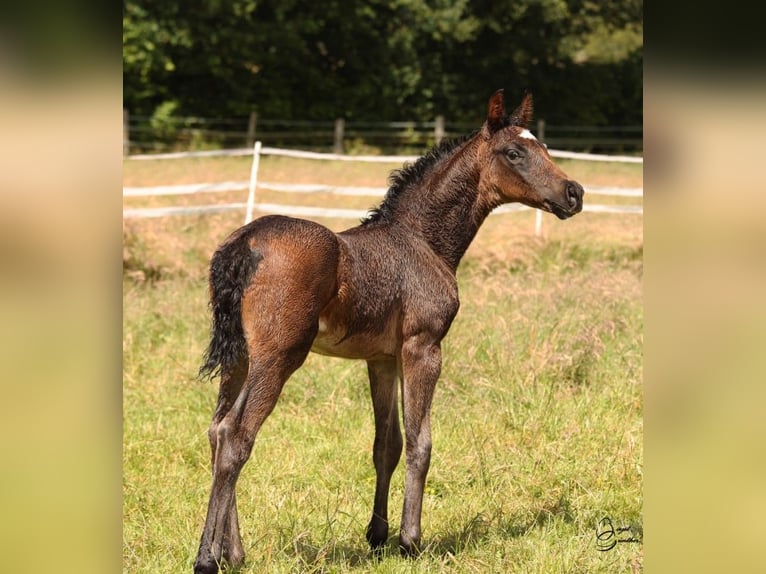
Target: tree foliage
x,y
383,59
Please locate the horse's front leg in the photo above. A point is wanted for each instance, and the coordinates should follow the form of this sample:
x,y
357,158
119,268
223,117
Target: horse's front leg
x,y
421,366
388,444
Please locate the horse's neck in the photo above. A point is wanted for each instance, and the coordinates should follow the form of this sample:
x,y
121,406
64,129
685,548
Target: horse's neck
x,y
448,208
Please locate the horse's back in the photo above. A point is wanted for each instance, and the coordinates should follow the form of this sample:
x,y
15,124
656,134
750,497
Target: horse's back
x,y
280,235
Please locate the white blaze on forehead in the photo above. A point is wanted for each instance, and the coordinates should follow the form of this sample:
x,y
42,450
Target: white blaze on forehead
x,y
527,135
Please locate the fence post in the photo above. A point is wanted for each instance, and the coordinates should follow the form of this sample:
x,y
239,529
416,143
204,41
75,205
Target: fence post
x,y
337,146
251,122
541,130
125,132
538,222
439,129
253,180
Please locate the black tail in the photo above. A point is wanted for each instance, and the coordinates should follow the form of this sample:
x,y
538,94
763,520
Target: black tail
x,y
231,268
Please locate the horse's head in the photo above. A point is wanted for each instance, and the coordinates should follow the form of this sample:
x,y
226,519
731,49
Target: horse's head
x,y
519,167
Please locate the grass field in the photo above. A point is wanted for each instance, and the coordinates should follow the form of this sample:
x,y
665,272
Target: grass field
x,y
537,418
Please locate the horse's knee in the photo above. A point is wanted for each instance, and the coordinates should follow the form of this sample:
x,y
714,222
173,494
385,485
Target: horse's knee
x,y
387,450
419,455
389,458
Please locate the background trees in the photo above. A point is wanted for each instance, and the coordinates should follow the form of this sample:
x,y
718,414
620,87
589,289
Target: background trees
x,y
383,59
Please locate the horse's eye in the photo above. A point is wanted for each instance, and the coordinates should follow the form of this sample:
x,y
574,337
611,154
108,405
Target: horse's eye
x,y
513,155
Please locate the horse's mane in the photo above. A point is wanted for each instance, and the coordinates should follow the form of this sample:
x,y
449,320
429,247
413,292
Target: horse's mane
x,y
410,174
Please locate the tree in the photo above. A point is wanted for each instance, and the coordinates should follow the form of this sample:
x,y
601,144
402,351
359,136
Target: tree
x,y
383,59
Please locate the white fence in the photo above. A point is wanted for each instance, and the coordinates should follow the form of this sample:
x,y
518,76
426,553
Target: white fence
x,y
315,211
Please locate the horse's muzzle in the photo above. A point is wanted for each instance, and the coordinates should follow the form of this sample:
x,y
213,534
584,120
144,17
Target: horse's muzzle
x,y
572,203
574,193
568,205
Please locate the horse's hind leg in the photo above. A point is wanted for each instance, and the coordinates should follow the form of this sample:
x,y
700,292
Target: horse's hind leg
x,y
277,344
234,438
387,447
231,386
270,311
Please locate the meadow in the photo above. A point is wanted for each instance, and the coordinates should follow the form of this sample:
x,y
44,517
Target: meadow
x,y
536,422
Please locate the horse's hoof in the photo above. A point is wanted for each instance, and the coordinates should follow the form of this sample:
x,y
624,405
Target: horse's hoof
x,y
408,547
233,561
205,566
377,536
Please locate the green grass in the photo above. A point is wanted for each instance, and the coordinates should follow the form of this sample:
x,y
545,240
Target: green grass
x,y
537,418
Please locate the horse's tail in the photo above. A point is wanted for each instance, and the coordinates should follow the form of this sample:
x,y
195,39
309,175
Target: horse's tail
x,y
231,268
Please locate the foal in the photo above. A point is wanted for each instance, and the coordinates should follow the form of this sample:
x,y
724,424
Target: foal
x,y
384,292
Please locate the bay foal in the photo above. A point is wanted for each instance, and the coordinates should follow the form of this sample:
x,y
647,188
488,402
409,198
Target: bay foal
x,y
384,292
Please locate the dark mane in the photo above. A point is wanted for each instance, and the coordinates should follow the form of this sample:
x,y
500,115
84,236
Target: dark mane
x,y
401,179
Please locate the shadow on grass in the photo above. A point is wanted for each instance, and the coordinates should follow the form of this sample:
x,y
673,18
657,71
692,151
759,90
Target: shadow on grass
x,y
313,559
479,529
471,534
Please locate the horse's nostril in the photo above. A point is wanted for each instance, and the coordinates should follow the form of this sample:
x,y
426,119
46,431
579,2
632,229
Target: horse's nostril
x,y
573,193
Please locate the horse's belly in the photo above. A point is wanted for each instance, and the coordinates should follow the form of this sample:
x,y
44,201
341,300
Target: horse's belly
x,y
335,343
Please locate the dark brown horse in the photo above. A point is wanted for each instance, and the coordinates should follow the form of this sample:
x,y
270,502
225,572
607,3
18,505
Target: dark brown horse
x,y
384,292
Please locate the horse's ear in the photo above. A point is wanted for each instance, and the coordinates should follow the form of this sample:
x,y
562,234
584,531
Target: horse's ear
x,y
496,118
522,115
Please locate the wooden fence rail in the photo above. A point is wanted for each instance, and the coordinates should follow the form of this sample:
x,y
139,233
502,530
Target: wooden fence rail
x,y
322,211
144,134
